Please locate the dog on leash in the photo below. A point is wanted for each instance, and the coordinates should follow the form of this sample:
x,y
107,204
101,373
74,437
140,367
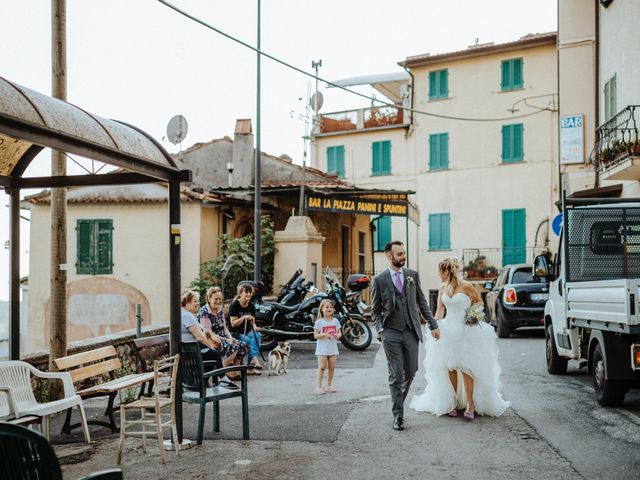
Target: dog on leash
x,y
279,358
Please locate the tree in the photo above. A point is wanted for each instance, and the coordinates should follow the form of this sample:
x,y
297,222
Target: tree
x,y
212,271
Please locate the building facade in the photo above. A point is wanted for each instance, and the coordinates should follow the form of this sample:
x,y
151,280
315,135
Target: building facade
x,y
479,150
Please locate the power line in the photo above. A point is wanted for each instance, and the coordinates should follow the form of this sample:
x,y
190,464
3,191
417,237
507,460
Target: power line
x,y
353,92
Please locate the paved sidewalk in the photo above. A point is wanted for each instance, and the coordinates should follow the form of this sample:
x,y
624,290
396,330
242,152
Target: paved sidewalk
x,y
296,434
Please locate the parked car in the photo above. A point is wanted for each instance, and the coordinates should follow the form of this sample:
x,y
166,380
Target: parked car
x,y
516,299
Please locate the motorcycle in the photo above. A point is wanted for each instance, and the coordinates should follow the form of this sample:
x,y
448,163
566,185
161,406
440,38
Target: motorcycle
x,y
284,322
295,290
355,304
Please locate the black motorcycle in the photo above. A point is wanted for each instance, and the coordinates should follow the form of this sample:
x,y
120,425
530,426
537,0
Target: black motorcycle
x,y
283,322
295,290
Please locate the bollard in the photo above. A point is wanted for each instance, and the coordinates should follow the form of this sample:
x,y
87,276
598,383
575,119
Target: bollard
x,y
138,321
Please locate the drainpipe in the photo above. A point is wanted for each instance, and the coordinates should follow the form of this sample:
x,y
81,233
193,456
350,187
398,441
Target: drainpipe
x,y
596,110
412,83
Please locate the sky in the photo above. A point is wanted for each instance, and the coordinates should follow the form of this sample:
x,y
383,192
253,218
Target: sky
x,y
142,63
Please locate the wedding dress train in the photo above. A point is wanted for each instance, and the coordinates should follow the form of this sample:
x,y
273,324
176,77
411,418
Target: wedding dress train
x,y
461,347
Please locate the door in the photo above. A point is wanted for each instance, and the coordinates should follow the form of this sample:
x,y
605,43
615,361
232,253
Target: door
x,y
345,254
514,239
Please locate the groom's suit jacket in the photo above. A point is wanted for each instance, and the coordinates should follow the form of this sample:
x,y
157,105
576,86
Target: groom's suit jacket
x,y
383,300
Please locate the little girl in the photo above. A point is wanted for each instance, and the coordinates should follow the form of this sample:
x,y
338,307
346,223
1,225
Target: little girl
x,y
326,332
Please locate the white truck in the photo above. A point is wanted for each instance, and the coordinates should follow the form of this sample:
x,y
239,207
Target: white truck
x,y
593,312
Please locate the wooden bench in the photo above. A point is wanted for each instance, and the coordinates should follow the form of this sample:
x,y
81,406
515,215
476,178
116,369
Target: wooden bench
x,y
97,363
149,350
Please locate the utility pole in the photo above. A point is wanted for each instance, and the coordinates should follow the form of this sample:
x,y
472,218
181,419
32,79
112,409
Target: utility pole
x,y
58,300
316,107
257,260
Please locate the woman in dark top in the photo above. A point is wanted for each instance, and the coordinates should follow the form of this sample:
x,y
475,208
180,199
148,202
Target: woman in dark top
x,y
242,324
211,317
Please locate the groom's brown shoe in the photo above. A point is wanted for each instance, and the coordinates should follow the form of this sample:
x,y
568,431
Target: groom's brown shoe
x,y
398,424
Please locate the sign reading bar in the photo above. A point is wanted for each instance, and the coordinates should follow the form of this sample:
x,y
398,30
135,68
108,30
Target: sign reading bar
x,y
356,206
571,139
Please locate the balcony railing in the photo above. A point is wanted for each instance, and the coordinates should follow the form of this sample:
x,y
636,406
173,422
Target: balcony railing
x,y
364,118
616,141
485,263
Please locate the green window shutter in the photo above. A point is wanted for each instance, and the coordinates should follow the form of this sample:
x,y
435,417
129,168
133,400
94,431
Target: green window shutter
x,y
518,147
434,156
335,160
340,161
517,73
432,85
439,231
382,234
505,75
444,150
376,157
438,151
331,160
506,143
444,83
386,156
445,233
84,242
513,236
104,246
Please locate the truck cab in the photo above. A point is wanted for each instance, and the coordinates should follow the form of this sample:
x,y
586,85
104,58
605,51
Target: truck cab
x,y
593,312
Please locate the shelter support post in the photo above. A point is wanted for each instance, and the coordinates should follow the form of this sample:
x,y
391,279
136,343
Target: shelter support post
x,y
174,289
14,275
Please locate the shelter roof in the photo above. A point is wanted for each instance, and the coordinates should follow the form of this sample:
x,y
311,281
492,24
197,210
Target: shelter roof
x,y
30,120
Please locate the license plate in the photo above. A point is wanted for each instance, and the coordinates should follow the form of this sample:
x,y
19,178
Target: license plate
x,y
539,297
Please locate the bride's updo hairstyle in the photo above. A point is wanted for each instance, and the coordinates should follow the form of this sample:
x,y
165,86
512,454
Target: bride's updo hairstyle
x,y
451,267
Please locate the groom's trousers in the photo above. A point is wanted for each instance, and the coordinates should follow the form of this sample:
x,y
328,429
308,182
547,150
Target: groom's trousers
x,y
401,349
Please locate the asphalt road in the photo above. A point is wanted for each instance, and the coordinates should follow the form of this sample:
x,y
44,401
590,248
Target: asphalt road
x,y
598,442
554,430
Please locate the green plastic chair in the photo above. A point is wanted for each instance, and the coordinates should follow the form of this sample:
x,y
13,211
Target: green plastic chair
x,y
27,455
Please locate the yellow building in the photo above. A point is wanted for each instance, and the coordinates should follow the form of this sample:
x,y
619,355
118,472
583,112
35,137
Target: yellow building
x,y
479,151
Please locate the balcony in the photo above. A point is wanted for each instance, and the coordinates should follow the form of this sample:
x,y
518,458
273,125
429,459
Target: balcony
x,y
361,120
481,264
616,153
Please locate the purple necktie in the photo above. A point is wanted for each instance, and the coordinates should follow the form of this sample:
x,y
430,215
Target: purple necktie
x,y
398,281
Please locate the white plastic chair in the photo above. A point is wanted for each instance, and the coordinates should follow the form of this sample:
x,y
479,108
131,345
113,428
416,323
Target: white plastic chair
x,y
16,375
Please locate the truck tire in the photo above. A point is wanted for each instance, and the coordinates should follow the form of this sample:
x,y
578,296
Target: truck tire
x,y
609,393
556,365
501,325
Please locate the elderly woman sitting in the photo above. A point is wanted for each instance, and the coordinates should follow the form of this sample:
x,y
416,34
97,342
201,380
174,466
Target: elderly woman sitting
x,y
211,317
193,332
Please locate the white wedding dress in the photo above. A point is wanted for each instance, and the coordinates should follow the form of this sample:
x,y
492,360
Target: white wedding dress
x,y
461,347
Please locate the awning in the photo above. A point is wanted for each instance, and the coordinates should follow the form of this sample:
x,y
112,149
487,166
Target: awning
x,y
388,84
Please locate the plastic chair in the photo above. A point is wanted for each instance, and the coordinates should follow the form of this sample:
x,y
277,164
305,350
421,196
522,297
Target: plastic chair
x,y
195,386
16,375
27,455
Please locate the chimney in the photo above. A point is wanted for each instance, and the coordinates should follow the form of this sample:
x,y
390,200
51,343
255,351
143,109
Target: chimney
x,y
243,154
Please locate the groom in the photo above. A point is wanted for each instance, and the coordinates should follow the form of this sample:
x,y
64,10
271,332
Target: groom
x,y
396,304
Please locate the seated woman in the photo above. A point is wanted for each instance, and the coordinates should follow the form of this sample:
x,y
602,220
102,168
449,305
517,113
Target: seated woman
x,y
193,332
242,320
211,317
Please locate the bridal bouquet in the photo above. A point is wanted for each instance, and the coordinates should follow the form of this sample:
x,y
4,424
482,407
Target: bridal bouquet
x,y
474,315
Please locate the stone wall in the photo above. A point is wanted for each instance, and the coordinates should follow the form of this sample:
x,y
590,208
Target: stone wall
x,y
122,341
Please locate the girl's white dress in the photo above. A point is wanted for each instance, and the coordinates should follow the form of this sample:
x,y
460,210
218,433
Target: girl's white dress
x,y
461,347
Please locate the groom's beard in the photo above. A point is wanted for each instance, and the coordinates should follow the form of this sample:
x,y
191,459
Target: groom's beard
x,y
397,263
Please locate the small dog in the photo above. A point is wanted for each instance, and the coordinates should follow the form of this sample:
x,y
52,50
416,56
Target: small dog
x,y
279,358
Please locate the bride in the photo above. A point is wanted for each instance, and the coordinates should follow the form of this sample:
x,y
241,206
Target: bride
x,y
462,369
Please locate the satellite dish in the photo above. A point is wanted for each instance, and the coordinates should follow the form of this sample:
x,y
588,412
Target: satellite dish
x,y
177,129
320,100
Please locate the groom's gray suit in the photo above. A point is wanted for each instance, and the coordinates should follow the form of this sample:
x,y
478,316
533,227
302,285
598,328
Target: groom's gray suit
x,y
397,314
